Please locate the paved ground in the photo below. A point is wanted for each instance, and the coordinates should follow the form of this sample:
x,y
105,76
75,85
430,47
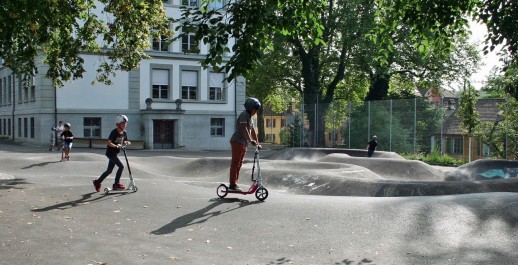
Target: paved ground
x,y
49,213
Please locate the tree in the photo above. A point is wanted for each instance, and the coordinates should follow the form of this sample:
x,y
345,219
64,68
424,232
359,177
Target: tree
x,y
503,82
501,136
408,63
444,19
60,31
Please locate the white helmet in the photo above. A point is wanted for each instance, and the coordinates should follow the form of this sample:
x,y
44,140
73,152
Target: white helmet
x,y
120,118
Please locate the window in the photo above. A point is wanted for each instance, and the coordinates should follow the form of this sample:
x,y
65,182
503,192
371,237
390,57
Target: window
x,y
456,146
9,86
1,92
191,3
270,123
216,4
20,87
283,123
33,92
485,150
189,42
9,127
216,86
26,83
161,44
92,127
19,127
32,127
189,84
270,137
217,127
160,80
25,127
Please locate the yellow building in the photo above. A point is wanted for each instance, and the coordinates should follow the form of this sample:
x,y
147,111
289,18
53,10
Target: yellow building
x,y
273,124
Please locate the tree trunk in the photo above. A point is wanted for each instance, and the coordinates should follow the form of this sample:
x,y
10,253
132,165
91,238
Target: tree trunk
x,y
379,86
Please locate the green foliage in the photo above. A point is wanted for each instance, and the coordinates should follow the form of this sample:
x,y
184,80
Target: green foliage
x,y
503,81
252,24
62,30
501,17
435,158
467,111
502,136
291,135
444,19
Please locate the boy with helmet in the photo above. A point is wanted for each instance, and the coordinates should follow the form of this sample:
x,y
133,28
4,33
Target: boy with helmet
x,y
68,138
371,146
244,132
116,140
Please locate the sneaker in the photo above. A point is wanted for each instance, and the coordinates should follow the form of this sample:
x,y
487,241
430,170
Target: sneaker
x,y
118,186
234,187
97,185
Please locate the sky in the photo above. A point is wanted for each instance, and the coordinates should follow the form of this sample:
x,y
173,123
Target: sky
x,y
479,32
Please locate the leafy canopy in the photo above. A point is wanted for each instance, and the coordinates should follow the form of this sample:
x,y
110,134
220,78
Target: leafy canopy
x,y
60,30
252,24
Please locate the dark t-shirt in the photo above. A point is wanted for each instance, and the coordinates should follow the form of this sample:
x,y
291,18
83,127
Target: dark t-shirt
x,y
116,138
66,134
372,145
238,136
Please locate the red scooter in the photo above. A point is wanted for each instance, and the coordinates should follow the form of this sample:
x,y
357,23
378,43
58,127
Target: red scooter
x,y
261,193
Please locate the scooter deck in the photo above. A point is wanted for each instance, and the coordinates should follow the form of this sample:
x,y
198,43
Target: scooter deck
x,y
111,190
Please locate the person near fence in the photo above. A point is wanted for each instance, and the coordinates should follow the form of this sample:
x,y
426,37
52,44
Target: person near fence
x,y
243,133
116,140
371,146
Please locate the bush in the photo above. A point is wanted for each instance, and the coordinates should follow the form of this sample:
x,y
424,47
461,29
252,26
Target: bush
x,y
435,158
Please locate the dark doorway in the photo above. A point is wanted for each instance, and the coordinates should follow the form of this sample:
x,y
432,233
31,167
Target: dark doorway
x,y
163,134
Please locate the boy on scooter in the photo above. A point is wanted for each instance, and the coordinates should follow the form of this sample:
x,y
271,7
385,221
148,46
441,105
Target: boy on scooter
x,y
116,140
243,133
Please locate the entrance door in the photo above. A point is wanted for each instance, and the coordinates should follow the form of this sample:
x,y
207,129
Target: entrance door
x,y
163,134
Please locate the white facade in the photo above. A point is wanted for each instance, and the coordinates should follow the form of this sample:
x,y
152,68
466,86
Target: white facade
x,y
148,95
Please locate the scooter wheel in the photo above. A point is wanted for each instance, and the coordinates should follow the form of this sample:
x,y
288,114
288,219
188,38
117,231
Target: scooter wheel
x,y
261,193
106,190
222,191
134,188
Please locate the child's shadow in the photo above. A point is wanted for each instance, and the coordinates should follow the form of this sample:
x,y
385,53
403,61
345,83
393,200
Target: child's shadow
x,y
40,164
200,216
85,199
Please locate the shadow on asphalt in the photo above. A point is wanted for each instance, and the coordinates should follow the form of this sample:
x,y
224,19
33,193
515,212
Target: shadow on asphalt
x,y
12,184
40,164
84,200
201,215
352,262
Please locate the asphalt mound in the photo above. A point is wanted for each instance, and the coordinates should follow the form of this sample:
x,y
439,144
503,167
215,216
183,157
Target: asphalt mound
x,y
391,169
316,153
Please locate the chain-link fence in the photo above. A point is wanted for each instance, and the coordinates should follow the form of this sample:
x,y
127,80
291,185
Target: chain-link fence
x,y
402,126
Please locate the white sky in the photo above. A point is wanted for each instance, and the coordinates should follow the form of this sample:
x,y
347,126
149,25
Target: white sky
x,y
479,32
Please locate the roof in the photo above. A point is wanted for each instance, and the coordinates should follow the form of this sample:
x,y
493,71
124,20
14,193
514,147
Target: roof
x,y
488,111
445,93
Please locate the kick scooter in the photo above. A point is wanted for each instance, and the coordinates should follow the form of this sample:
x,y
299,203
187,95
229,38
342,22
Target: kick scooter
x,y
261,193
131,184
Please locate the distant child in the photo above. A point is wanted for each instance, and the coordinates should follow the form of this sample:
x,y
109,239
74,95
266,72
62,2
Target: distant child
x,y
68,138
371,146
52,138
116,140
243,133
59,130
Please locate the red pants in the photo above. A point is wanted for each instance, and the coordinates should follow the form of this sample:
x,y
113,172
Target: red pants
x,y
238,155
